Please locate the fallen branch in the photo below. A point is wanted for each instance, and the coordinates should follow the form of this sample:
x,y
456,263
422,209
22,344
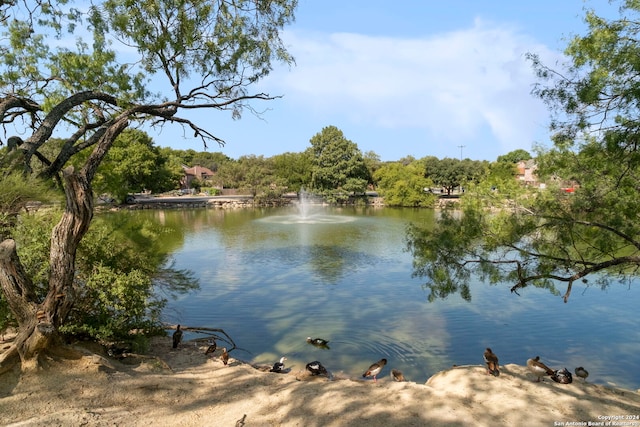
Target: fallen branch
x,y
211,333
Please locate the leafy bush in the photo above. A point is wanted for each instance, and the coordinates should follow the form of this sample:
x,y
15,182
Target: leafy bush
x,y
120,267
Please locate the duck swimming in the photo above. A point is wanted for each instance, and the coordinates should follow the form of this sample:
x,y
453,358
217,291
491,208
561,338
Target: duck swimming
x,y
491,360
279,366
318,342
582,373
538,368
375,369
316,368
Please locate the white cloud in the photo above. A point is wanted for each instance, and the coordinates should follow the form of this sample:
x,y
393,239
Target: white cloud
x,y
452,85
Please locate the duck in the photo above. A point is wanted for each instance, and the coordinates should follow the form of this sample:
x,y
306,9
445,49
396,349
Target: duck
x,y
318,342
375,369
177,336
278,366
491,360
224,356
397,375
562,376
538,368
316,368
582,373
212,347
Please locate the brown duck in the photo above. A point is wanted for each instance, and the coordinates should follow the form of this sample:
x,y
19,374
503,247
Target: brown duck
x,y
225,356
491,360
538,368
375,369
397,375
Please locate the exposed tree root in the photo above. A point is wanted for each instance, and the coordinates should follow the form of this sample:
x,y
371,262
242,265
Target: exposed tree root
x,y
9,358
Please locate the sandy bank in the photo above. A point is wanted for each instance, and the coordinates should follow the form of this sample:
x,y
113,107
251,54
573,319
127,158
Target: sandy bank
x,y
201,391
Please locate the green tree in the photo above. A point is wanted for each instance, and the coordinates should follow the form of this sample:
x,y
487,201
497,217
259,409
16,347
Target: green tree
x,y
209,160
128,254
548,238
515,156
336,161
256,175
372,163
293,169
451,173
196,54
402,185
133,165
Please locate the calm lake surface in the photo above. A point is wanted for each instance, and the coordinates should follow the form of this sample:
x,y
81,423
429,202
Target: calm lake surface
x,y
272,277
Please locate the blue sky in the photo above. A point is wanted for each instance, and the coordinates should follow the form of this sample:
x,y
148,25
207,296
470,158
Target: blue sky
x,y
413,77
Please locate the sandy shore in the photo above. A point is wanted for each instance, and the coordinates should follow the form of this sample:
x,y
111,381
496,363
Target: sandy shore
x,y
190,389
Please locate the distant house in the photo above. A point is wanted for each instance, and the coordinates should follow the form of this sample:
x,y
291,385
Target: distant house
x,y
196,172
527,172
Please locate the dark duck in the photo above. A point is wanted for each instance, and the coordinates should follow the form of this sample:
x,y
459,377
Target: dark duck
x,y
490,358
318,342
212,348
375,369
316,368
177,337
278,367
581,373
562,376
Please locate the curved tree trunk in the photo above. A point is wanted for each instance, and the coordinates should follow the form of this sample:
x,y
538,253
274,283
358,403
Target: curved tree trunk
x,y
38,321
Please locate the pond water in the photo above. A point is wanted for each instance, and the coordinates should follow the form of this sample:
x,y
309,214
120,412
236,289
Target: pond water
x,y
272,277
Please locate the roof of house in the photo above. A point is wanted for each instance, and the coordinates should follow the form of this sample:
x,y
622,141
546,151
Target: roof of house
x,y
199,171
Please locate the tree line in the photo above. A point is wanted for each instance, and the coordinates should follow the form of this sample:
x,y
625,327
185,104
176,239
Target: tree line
x,y
332,166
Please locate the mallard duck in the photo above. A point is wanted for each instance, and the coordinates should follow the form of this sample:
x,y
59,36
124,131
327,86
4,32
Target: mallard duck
x,y
562,376
397,375
278,366
491,360
582,373
224,356
316,368
177,336
375,369
538,368
318,342
212,347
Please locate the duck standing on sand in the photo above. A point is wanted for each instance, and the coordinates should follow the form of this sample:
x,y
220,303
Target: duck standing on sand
x,y
212,347
278,366
375,369
491,360
538,368
225,356
177,336
397,375
316,368
582,373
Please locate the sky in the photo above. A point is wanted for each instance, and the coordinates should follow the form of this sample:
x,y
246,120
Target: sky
x,y
407,78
